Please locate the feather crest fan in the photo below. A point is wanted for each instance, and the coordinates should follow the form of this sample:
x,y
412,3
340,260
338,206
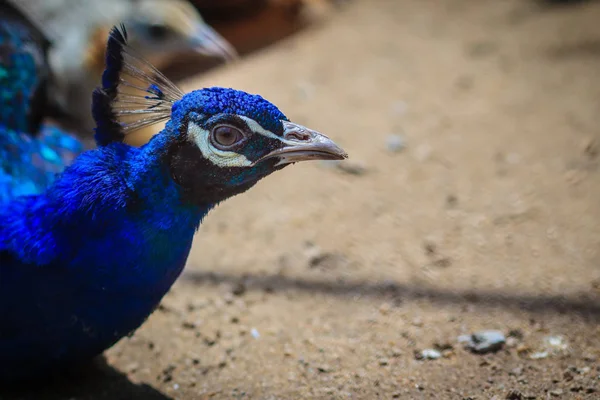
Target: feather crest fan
x,y
134,94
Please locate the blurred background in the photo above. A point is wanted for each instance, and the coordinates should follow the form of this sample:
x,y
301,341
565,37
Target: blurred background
x,y
456,254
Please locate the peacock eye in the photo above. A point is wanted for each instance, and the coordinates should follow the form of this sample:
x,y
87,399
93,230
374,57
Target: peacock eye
x,y
226,136
158,32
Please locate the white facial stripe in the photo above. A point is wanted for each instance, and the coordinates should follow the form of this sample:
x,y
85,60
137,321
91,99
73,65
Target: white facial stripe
x,y
256,128
218,157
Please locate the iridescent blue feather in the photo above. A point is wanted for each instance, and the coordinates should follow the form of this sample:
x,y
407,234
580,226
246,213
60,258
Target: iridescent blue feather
x,y
23,72
31,154
29,164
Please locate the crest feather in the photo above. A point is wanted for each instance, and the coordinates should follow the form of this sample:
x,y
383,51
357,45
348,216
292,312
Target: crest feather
x,y
134,94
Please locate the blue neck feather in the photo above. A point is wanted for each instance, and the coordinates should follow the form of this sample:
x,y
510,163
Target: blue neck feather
x,y
130,188
99,249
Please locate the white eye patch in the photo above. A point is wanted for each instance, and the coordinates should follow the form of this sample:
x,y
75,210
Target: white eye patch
x,y
256,128
220,158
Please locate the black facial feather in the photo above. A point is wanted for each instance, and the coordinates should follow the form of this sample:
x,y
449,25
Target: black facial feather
x,y
201,179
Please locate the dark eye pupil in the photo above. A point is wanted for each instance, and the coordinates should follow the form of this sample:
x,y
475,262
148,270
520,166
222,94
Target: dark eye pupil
x,y
226,136
158,31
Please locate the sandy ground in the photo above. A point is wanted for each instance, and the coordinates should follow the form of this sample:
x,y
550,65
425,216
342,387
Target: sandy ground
x,y
323,282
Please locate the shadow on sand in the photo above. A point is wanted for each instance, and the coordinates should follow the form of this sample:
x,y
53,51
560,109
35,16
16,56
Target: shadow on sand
x,y
584,304
95,381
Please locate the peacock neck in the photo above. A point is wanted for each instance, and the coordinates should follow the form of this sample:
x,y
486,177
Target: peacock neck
x,y
165,222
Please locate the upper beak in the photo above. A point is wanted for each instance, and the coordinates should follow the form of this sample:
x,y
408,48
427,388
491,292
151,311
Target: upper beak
x,y
303,144
209,43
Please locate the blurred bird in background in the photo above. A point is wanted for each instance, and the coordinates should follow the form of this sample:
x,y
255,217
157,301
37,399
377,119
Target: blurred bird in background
x,y
31,152
76,32
253,24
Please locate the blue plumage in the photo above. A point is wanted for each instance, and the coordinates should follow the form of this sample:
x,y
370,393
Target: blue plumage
x,y
85,267
29,163
31,154
85,262
23,71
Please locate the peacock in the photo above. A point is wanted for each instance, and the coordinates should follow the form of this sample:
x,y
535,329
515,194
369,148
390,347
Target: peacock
x,y
87,259
77,30
31,151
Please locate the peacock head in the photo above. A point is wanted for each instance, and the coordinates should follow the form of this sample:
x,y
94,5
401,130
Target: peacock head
x,y
220,141
161,27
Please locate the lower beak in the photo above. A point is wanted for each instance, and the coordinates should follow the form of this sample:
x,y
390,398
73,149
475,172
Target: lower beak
x,y
210,43
303,144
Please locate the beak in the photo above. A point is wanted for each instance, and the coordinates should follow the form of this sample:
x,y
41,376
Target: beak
x,y
303,144
209,43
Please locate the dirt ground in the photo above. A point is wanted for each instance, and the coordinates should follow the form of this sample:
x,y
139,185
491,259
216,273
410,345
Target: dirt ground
x,y
483,213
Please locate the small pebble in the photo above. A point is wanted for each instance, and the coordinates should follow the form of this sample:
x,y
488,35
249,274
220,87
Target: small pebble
x,y
516,333
557,392
539,355
395,352
443,346
484,341
312,250
239,289
523,349
188,325
324,369
428,354
451,200
325,261
592,148
590,358
448,353
254,333
395,143
385,308
516,371
584,370
552,345
556,342
568,376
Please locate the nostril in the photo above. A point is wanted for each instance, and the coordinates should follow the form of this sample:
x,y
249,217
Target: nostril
x,y
298,135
